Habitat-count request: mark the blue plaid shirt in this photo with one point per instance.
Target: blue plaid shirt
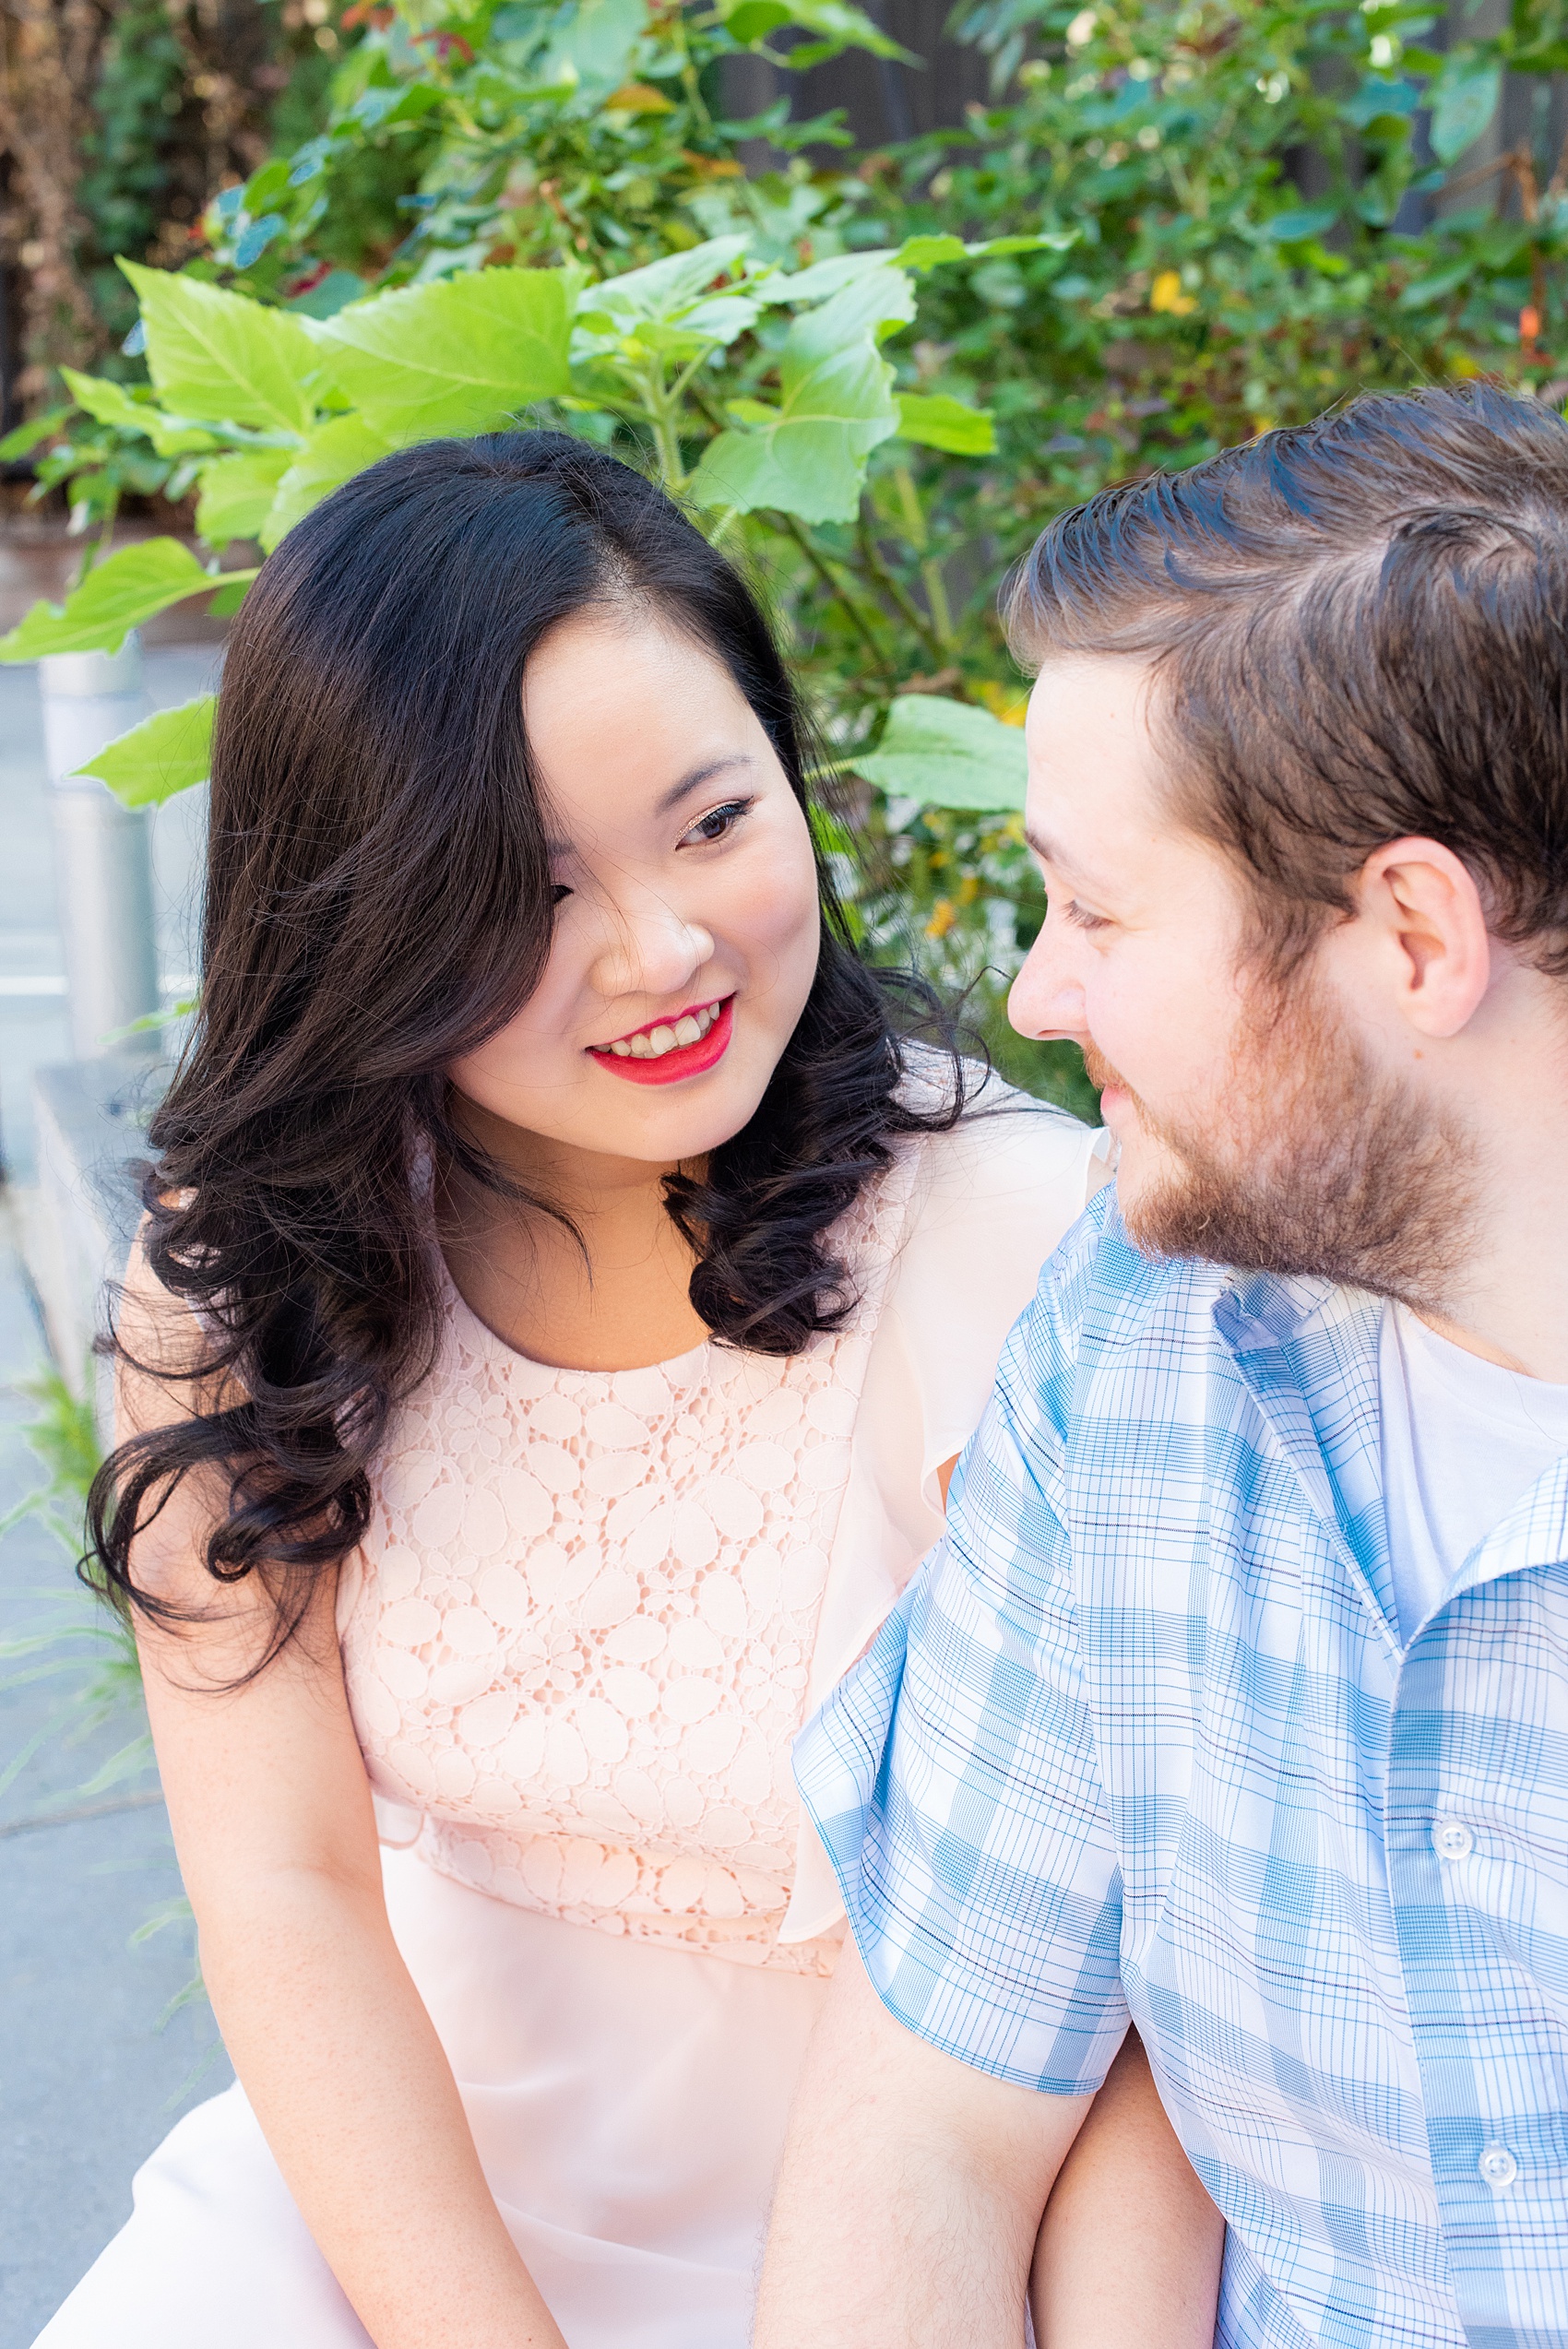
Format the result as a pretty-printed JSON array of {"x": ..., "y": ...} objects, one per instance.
[{"x": 1142, "y": 1740}]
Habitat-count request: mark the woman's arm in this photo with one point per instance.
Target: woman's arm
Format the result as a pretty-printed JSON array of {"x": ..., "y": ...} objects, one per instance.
[
  {"x": 272, "y": 1821},
  {"x": 910, "y": 2197},
  {"x": 1129, "y": 2252}
]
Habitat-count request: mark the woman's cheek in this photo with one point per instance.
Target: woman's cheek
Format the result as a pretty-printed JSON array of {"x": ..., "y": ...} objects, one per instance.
[{"x": 774, "y": 915}]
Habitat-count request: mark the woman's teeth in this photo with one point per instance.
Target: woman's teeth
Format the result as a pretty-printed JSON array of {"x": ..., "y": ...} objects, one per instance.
[{"x": 690, "y": 1028}]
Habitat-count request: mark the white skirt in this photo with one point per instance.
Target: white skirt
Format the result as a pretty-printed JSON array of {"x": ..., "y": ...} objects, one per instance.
[{"x": 628, "y": 2103}]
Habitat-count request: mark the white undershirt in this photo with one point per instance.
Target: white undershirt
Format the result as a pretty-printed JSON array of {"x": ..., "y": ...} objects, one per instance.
[{"x": 1463, "y": 1440}]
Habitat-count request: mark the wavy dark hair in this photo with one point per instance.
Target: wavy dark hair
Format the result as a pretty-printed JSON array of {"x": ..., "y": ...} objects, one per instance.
[{"x": 378, "y": 902}]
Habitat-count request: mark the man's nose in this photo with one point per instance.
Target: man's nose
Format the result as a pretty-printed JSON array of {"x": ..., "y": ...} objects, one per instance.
[{"x": 1047, "y": 998}]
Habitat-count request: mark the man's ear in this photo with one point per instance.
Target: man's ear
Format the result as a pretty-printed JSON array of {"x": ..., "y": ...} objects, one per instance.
[{"x": 1426, "y": 913}]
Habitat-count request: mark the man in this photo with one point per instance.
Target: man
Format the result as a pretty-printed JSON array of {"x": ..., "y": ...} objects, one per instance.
[{"x": 1235, "y": 1703}]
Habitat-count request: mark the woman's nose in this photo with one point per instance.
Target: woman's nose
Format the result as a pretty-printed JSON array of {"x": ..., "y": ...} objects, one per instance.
[{"x": 652, "y": 949}]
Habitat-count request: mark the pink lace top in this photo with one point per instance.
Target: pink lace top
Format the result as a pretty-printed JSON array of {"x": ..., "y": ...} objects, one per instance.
[{"x": 593, "y": 1607}]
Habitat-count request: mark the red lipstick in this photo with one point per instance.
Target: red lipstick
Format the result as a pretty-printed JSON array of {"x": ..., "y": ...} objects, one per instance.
[{"x": 684, "y": 1060}]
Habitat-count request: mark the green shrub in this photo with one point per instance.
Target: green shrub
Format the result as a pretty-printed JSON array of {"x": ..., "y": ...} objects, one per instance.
[{"x": 873, "y": 376}]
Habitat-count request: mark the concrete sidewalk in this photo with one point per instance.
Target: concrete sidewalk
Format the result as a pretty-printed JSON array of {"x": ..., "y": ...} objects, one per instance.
[{"x": 89, "y": 2082}]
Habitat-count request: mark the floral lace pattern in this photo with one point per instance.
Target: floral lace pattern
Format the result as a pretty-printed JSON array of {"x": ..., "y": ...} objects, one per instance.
[{"x": 584, "y": 1613}]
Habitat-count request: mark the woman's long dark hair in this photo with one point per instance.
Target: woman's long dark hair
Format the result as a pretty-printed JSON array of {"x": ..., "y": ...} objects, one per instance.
[{"x": 378, "y": 902}]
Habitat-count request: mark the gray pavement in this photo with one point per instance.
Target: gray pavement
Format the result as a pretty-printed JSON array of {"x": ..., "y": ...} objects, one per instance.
[{"x": 93, "y": 2069}]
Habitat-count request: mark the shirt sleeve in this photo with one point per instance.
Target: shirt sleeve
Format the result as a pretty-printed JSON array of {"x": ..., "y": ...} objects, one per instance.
[
  {"x": 991, "y": 1200},
  {"x": 954, "y": 1776}
]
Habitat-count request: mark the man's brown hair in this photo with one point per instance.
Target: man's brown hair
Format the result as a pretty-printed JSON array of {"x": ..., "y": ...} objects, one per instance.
[{"x": 1358, "y": 630}]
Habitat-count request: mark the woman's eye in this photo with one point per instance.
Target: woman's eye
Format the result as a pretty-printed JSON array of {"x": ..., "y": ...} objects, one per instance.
[
  {"x": 716, "y": 824},
  {"x": 1082, "y": 920}
]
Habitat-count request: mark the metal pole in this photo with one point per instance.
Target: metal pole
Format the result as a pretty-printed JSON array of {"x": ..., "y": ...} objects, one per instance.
[{"x": 103, "y": 852}]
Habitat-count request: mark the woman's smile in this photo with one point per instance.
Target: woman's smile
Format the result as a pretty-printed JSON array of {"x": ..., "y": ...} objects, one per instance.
[{"x": 662, "y": 1052}]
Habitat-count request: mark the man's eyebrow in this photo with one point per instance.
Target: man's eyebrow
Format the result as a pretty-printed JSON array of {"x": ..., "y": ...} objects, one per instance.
[
  {"x": 1047, "y": 849},
  {"x": 677, "y": 791},
  {"x": 1051, "y": 852}
]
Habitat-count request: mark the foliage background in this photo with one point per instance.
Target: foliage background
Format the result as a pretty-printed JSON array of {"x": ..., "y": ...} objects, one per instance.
[{"x": 1240, "y": 213}]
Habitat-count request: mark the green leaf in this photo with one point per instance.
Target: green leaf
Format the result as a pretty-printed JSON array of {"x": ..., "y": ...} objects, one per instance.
[
  {"x": 333, "y": 455},
  {"x": 594, "y": 46},
  {"x": 1301, "y": 222},
  {"x": 947, "y": 754},
  {"x": 837, "y": 406},
  {"x": 921, "y": 253},
  {"x": 112, "y": 404},
  {"x": 1380, "y": 98},
  {"x": 665, "y": 289},
  {"x": 930, "y": 252},
  {"x": 843, "y": 27},
  {"x": 26, "y": 437},
  {"x": 237, "y": 493},
  {"x": 169, "y": 752},
  {"x": 1441, "y": 283},
  {"x": 937, "y": 421},
  {"x": 754, "y": 19},
  {"x": 328, "y": 295},
  {"x": 216, "y": 354},
  {"x": 459, "y": 356},
  {"x": 1464, "y": 101},
  {"x": 115, "y": 596}
]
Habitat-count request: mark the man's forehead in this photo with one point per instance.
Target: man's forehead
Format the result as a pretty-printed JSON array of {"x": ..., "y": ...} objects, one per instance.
[{"x": 1093, "y": 800}]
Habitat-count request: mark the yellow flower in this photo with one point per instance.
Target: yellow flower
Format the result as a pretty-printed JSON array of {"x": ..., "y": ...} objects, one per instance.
[
  {"x": 943, "y": 917},
  {"x": 1009, "y": 703},
  {"x": 1166, "y": 294}
]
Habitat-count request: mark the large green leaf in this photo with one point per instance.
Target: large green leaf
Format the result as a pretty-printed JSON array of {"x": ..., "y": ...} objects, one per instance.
[
  {"x": 808, "y": 455},
  {"x": 460, "y": 356},
  {"x": 664, "y": 288},
  {"x": 237, "y": 493},
  {"x": 116, "y": 596},
  {"x": 937, "y": 421},
  {"x": 112, "y": 404},
  {"x": 213, "y": 354},
  {"x": 920, "y": 252},
  {"x": 948, "y": 754},
  {"x": 667, "y": 306},
  {"x": 169, "y": 752},
  {"x": 333, "y": 455},
  {"x": 1464, "y": 101}
]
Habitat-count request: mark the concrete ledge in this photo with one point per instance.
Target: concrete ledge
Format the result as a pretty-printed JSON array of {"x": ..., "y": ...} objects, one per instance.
[{"x": 75, "y": 1227}]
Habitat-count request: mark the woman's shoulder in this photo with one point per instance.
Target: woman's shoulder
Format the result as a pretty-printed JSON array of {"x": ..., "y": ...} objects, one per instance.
[{"x": 1006, "y": 1155}]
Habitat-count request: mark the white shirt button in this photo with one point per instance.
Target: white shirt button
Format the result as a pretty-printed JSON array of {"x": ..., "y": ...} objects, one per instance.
[
  {"x": 1451, "y": 1839},
  {"x": 1498, "y": 2167}
]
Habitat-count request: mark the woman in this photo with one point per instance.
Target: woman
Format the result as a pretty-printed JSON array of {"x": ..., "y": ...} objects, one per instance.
[{"x": 561, "y": 1299}]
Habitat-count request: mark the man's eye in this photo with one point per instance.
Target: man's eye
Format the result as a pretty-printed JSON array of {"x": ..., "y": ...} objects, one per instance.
[{"x": 716, "y": 824}]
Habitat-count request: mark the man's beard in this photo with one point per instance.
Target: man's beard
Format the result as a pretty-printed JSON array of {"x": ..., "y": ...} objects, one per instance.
[{"x": 1317, "y": 1163}]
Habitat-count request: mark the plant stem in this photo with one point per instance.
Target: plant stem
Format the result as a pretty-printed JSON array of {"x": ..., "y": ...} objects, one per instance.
[
  {"x": 839, "y": 593},
  {"x": 659, "y": 408},
  {"x": 936, "y": 596},
  {"x": 872, "y": 556},
  {"x": 910, "y": 499}
]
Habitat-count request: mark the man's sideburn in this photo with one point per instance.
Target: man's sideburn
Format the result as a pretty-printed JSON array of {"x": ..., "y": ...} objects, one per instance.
[{"x": 1311, "y": 1161}]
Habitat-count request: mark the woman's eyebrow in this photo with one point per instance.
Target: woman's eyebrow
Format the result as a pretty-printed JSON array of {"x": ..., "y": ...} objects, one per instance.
[
  {"x": 700, "y": 775},
  {"x": 677, "y": 791}
]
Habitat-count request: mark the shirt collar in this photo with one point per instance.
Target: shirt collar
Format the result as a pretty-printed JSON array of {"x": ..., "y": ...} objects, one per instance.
[{"x": 1306, "y": 1348}]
